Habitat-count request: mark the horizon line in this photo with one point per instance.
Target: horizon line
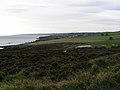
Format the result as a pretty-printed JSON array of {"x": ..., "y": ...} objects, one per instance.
[{"x": 60, "y": 33}]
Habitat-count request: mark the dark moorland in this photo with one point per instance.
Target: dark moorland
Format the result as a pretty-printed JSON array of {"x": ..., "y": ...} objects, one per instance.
[{"x": 58, "y": 67}]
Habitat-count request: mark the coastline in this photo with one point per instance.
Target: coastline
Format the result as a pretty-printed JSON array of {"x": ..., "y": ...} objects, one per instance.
[{"x": 18, "y": 40}]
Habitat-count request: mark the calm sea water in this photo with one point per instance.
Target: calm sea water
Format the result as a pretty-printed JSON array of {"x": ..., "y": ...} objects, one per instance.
[{"x": 18, "y": 39}]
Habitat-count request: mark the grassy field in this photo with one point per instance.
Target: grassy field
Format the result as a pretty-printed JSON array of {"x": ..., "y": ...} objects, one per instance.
[{"x": 89, "y": 39}]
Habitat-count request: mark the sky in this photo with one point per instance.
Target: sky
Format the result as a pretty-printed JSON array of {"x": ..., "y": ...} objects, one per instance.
[{"x": 58, "y": 16}]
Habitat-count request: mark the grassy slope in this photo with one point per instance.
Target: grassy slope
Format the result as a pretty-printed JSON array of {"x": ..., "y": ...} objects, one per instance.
[{"x": 91, "y": 39}]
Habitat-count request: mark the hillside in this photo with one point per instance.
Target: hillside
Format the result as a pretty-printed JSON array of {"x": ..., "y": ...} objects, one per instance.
[
  {"x": 50, "y": 67},
  {"x": 46, "y": 65},
  {"x": 86, "y": 38}
]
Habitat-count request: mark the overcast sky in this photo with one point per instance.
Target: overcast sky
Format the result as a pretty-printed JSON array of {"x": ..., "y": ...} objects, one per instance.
[{"x": 44, "y": 16}]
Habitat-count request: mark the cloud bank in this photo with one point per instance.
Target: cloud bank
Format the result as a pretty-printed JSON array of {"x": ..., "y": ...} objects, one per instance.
[{"x": 43, "y": 16}]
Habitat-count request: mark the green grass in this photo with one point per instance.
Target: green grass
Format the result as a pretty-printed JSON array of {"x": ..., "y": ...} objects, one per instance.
[
  {"x": 113, "y": 42},
  {"x": 91, "y": 39}
]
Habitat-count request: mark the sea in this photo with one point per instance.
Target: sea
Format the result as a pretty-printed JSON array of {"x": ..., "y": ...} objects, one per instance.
[{"x": 18, "y": 39}]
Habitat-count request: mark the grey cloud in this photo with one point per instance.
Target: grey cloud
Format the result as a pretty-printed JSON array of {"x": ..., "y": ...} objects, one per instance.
[
  {"x": 21, "y": 8},
  {"x": 17, "y": 10},
  {"x": 108, "y": 21},
  {"x": 76, "y": 15},
  {"x": 52, "y": 14},
  {"x": 89, "y": 4},
  {"x": 90, "y": 7},
  {"x": 112, "y": 7}
]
